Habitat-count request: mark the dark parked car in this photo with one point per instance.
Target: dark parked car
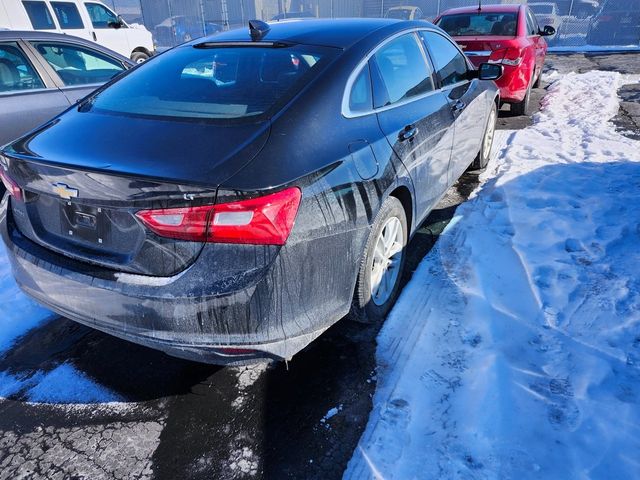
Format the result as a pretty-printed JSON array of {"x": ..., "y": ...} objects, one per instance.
[
  {"x": 617, "y": 23},
  {"x": 230, "y": 199}
]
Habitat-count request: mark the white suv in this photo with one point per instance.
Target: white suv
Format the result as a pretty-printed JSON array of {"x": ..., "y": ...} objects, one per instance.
[{"x": 87, "y": 19}]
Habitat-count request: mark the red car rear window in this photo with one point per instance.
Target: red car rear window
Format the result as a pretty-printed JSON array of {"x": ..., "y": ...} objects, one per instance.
[{"x": 479, "y": 24}]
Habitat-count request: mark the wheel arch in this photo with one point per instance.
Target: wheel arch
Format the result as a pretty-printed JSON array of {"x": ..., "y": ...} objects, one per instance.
[
  {"x": 402, "y": 193},
  {"x": 140, "y": 50}
]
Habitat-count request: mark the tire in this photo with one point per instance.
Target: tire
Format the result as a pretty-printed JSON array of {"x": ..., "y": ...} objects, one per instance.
[
  {"x": 139, "y": 57},
  {"x": 536, "y": 84},
  {"x": 484, "y": 154},
  {"x": 371, "y": 305},
  {"x": 522, "y": 108}
]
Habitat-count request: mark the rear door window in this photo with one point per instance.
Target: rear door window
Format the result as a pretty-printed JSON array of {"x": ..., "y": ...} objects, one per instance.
[
  {"x": 39, "y": 15},
  {"x": 215, "y": 83},
  {"x": 451, "y": 65},
  {"x": 68, "y": 15},
  {"x": 16, "y": 72},
  {"x": 403, "y": 70},
  {"x": 76, "y": 65}
]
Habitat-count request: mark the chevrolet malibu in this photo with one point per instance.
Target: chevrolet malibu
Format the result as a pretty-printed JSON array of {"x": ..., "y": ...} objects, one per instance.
[{"x": 232, "y": 198}]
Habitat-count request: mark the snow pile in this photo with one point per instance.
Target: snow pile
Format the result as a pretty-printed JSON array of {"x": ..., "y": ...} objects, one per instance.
[
  {"x": 514, "y": 352},
  {"x": 63, "y": 384}
]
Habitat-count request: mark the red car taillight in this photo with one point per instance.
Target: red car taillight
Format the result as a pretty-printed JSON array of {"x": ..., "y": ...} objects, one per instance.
[
  {"x": 12, "y": 187},
  {"x": 513, "y": 57},
  {"x": 507, "y": 56},
  {"x": 265, "y": 220}
]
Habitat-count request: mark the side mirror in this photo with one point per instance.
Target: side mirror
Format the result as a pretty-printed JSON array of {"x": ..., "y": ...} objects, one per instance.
[
  {"x": 547, "y": 31},
  {"x": 489, "y": 71}
]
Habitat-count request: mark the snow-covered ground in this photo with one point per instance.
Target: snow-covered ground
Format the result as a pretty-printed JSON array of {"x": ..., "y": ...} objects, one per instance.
[
  {"x": 63, "y": 384},
  {"x": 514, "y": 352}
]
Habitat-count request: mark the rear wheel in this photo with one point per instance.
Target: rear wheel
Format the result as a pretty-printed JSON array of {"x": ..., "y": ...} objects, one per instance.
[
  {"x": 522, "y": 108},
  {"x": 487, "y": 141},
  {"x": 536, "y": 84},
  {"x": 381, "y": 265},
  {"x": 139, "y": 57}
]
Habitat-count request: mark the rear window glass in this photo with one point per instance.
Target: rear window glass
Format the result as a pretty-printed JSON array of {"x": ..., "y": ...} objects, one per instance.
[
  {"x": 214, "y": 83},
  {"x": 68, "y": 15},
  {"x": 39, "y": 15},
  {"x": 474, "y": 24}
]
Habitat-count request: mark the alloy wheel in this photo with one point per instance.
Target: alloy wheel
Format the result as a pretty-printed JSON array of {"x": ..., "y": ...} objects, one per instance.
[{"x": 387, "y": 259}]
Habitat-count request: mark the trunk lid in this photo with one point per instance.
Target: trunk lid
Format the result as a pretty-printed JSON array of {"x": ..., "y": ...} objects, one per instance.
[
  {"x": 479, "y": 49},
  {"x": 83, "y": 186}
]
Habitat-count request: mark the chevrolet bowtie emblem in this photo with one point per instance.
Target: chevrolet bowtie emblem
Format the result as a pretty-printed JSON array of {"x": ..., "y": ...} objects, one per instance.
[{"x": 65, "y": 191}]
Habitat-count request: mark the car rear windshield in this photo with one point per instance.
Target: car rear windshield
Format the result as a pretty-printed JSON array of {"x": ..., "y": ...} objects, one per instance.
[
  {"x": 215, "y": 82},
  {"x": 479, "y": 24}
]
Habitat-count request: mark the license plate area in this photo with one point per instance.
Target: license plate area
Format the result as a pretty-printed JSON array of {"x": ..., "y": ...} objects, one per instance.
[{"x": 83, "y": 222}]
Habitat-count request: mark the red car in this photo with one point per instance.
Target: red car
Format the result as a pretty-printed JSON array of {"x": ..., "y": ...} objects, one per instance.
[{"x": 504, "y": 34}]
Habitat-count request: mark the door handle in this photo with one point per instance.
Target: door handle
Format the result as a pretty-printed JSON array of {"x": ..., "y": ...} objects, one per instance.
[
  {"x": 95, "y": 38},
  {"x": 458, "y": 106},
  {"x": 408, "y": 133}
]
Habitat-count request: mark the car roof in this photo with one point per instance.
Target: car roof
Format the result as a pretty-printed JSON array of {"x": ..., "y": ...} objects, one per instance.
[
  {"x": 512, "y": 7},
  {"x": 340, "y": 33},
  {"x": 7, "y": 35}
]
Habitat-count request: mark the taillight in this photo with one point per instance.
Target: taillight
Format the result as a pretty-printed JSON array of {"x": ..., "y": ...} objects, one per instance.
[
  {"x": 513, "y": 56},
  {"x": 264, "y": 220},
  {"x": 497, "y": 55},
  {"x": 12, "y": 187}
]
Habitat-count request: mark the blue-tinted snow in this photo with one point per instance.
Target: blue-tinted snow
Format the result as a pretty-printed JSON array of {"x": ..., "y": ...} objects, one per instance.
[
  {"x": 18, "y": 312},
  {"x": 63, "y": 384}
]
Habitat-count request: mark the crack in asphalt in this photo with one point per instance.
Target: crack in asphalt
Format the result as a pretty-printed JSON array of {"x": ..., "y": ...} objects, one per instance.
[{"x": 121, "y": 450}]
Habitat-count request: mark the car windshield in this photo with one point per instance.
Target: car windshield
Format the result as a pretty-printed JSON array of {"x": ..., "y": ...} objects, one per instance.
[
  {"x": 541, "y": 9},
  {"x": 478, "y": 24},
  {"x": 399, "y": 13},
  {"x": 215, "y": 82}
]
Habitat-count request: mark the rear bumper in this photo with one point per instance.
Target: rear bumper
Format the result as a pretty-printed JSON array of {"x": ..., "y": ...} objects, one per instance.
[
  {"x": 514, "y": 81},
  {"x": 191, "y": 315}
]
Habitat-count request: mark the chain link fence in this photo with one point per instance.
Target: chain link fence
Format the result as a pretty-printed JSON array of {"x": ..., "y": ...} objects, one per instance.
[{"x": 579, "y": 24}]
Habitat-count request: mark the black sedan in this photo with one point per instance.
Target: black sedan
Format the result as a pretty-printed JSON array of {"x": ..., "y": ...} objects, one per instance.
[{"x": 230, "y": 199}]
